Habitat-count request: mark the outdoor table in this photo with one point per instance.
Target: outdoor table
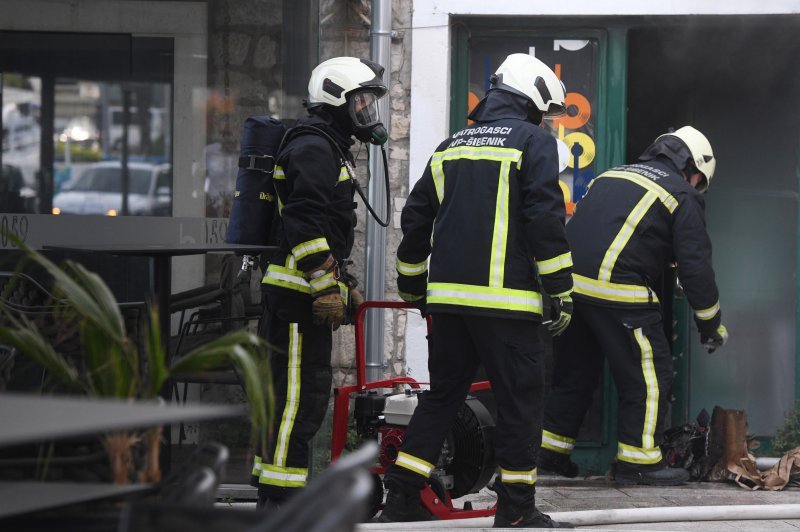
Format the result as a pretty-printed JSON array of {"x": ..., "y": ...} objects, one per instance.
[
  {"x": 34, "y": 418},
  {"x": 31, "y": 418}
]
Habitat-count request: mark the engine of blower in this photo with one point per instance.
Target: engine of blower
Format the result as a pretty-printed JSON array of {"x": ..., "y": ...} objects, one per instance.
[{"x": 466, "y": 462}]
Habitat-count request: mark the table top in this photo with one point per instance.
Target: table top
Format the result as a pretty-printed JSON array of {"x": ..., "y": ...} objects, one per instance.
[
  {"x": 28, "y": 418},
  {"x": 162, "y": 249},
  {"x": 21, "y": 497}
]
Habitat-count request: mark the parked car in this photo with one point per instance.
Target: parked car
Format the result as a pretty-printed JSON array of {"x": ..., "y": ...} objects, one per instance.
[{"x": 98, "y": 190}]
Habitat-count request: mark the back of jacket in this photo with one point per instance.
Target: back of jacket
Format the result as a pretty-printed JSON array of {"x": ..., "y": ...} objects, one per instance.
[
  {"x": 487, "y": 209},
  {"x": 633, "y": 222},
  {"x": 315, "y": 199}
]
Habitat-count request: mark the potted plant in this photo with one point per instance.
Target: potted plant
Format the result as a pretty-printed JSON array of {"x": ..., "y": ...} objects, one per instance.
[{"x": 116, "y": 366}]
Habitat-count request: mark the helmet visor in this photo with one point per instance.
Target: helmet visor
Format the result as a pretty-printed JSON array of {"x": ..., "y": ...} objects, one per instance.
[{"x": 364, "y": 109}]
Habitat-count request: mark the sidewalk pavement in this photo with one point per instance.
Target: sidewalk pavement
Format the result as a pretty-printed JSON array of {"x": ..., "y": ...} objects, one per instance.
[{"x": 557, "y": 496}]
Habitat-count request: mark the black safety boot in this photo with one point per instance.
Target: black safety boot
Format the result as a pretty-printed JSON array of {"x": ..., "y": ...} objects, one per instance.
[
  {"x": 510, "y": 516},
  {"x": 661, "y": 475},
  {"x": 402, "y": 506},
  {"x": 266, "y": 504},
  {"x": 553, "y": 462}
]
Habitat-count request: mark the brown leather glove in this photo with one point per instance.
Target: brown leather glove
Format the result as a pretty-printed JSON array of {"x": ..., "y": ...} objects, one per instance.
[
  {"x": 356, "y": 298},
  {"x": 328, "y": 309}
]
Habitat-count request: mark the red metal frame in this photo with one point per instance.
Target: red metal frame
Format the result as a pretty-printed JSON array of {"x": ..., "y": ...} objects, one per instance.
[{"x": 441, "y": 509}]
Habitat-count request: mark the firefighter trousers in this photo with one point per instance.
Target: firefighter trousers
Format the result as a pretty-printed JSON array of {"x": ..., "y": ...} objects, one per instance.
[
  {"x": 512, "y": 354},
  {"x": 639, "y": 357},
  {"x": 301, "y": 373}
]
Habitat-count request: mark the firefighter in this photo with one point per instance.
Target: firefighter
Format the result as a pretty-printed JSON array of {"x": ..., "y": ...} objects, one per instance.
[
  {"x": 306, "y": 290},
  {"x": 489, "y": 212},
  {"x": 634, "y": 221}
]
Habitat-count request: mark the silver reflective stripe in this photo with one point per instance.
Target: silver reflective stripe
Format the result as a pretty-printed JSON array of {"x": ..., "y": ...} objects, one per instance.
[{"x": 707, "y": 314}]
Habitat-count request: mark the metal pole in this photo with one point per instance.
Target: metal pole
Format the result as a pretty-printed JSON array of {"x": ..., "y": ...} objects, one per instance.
[{"x": 375, "y": 271}]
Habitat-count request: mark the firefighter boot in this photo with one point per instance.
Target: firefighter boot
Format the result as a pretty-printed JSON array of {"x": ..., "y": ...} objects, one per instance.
[
  {"x": 558, "y": 463},
  {"x": 403, "y": 506},
  {"x": 266, "y": 504},
  {"x": 657, "y": 475},
  {"x": 510, "y": 516}
]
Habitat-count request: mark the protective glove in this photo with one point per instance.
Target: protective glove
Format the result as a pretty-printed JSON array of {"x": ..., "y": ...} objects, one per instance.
[
  {"x": 560, "y": 313},
  {"x": 716, "y": 339},
  {"x": 420, "y": 302},
  {"x": 328, "y": 309},
  {"x": 356, "y": 298}
]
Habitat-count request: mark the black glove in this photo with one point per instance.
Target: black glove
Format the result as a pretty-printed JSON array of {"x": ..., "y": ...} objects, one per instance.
[
  {"x": 560, "y": 313},
  {"x": 716, "y": 339}
]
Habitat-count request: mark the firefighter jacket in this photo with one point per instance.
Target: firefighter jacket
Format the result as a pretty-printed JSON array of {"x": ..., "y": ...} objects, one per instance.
[
  {"x": 489, "y": 212},
  {"x": 633, "y": 222},
  {"x": 315, "y": 201}
]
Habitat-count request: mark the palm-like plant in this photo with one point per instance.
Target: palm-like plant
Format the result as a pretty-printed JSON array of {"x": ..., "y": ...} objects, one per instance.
[{"x": 114, "y": 361}]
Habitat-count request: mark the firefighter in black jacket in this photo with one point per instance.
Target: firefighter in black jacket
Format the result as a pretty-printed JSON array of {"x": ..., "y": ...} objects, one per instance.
[
  {"x": 634, "y": 221},
  {"x": 489, "y": 212},
  {"x": 307, "y": 293}
]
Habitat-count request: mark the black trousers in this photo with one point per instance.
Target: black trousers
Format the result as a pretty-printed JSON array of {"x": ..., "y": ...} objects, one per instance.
[
  {"x": 640, "y": 360},
  {"x": 512, "y": 354},
  {"x": 301, "y": 374}
]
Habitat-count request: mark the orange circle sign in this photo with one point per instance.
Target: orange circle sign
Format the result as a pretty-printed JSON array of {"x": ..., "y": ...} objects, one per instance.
[{"x": 578, "y": 104}]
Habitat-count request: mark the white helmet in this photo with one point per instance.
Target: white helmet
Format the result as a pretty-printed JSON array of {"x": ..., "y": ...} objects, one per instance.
[
  {"x": 357, "y": 84},
  {"x": 525, "y": 75},
  {"x": 702, "y": 154},
  {"x": 332, "y": 81}
]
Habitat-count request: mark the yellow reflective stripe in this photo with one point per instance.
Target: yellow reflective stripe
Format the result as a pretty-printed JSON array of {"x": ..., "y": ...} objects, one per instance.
[
  {"x": 292, "y": 395},
  {"x": 278, "y": 173},
  {"x": 500, "y": 236},
  {"x": 708, "y": 313},
  {"x": 555, "y": 264},
  {"x": 651, "y": 385},
  {"x": 344, "y": 175},
  {"x": 438, "y": 179},
  {"x": 286, "y": 477},
  {"x": 405, "y": 296},
  {"x": 485, "y": 297},
  {"x": 406, "y": 268},
  {"x": 479, "y": 153},
  {"x": 309, "y": 248},
  {"x": 518, "y": 477},
  {"x": 286, "y": 278},
  {"x": 509, "y": 155},
  {"x": 415, "y": 464},
  {"x": 625, "y": 233},
  {"x": 256, "y": 466},
  {"x": 557, "y": 443},
  {"x": 625, "y": 293},
  {"x": 665, "y": 197},
  {"x": 638, "y": 455},
  {"x": 322, "y": 282}
]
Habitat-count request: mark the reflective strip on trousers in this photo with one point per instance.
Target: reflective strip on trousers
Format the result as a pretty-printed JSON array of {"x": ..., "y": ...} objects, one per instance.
[
  {"x": 518, "y": 477},
  {"x": 412, "y": 463},
  {"x": 292, "y": 395},
  {"x": 651, "y": 385},
  {"x": 637, "y": 455},
  {"x": 557, "y": 443},
  {"x": 283, "y": 477}
]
